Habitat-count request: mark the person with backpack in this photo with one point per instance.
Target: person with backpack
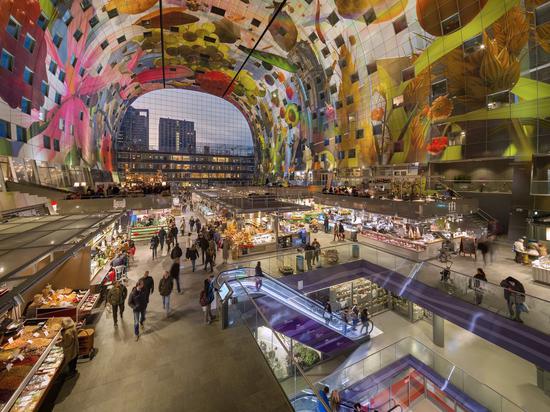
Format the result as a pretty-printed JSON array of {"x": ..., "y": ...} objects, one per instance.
[
  {"x": 175, "y": 274},
  {"x": 165, "y": 289},
  {"x": 176, "y": 253},
  {"x": 138, "y": 302},
  {"x": 206, "y": 298},
  {"x": 115, "y": 298},
  {"x": 192, "y": 254},
  {"x": 154, "y": 244},
  {"x": 162, "y": 238}
]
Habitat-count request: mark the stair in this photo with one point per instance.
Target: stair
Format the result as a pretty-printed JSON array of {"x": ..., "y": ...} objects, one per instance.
[
  {"x": 11, "y": 202},
  {"x": 47, "y": 192}
]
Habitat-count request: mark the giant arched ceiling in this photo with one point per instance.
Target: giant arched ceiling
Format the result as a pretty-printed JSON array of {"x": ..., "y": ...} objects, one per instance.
[{"x": 332, "y": 83}]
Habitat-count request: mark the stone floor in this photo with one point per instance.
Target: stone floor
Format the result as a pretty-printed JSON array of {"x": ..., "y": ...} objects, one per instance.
[{"x": 179, "y": 363}]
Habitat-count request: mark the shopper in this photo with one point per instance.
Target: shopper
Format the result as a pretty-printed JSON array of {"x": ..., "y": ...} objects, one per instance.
[
  {"x": 226, "y": 248},
  {"x": 335, "y": 232},
  {"x": 154, "y": 244},
  {"x": 258, "y": 275},
  {"x": 335, "y": 401},
  {"x": 316, "y": 251},
  {"x": 326, "y": 224},
  {"x": 198, "y": 225},
  {"x": 162, "y": 238},
  {"x": 69, "y": 344},
  {"x": 175, "y": 274},
  {"x": 188, "y": 242},
  {"x": 203, "y": 244},
  {"x": 115, "y": 298},
  {"x": 148, "y": 288},
  {"x": 327, "y": 312},
  {"x": 206, "y": 298},
  {"x": 484, "y": 249},
  {"x": 174, "y": 231},
  {"x": 176, "y": 253},
  {"x": 354, "y": 317},
  {"x": 478, "y": 287},
  {"x": 213, "y": 248},
  {"x": 191, "y": 223},
  {"x": 182, "y": 225},
  {"x": 323, "y": 394},
  {"x": 345, "y": 320},
  {"x": 165, "y": 289},
  {"x": 169, "y": 241},
  {"x": 364, "y": 317},
  {"x": 138, "y": 302},
  {"x": 357, "y": 407},
  {"x": 192, "y": 254},
  {"x": 308, "y": 251},
  {"x": 124, "y": 290},
  {"x": 341, "y": 231},
  {"x": 514, "y": 293},
  {"x": 209, "y": 259}
]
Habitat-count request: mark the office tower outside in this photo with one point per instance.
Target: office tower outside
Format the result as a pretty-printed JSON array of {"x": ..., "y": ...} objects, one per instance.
[
  {"x": 177, "y": 136},
  {"x": 133, "y": 133}
]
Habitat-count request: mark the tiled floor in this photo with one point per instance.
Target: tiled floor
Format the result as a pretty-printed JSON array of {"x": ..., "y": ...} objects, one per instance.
[{"x": 179, "y": 364}]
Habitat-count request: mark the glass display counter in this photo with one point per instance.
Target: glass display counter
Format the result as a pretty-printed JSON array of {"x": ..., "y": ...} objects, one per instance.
[{"x": 541, "y": 270}]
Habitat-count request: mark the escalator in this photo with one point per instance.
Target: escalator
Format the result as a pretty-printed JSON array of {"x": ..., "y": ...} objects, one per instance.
[
  {"x": 308, "y": 402},
  {"x": 295, "y": 315}
]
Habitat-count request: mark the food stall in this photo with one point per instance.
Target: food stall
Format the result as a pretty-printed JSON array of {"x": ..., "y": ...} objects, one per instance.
[
  {"x": 541, "y": 270},
  {"x": 145, "y": 223}
]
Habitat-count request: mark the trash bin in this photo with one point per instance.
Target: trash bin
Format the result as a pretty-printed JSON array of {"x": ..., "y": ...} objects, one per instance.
[
  {"x": 299, "y": 263},
  {"x": 355, "y": 251}
]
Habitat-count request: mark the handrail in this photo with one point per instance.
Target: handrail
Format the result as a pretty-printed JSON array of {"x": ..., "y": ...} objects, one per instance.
[{"x": 288, "y": 353}]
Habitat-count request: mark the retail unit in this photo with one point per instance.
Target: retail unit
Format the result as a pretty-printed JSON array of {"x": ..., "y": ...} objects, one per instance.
[
  {"x": 146, "y": 223},
  {"x": 541, "y": 270}
]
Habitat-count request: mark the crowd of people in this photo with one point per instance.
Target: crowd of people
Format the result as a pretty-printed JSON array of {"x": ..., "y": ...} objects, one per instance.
[{"x": 114, "y": 189}]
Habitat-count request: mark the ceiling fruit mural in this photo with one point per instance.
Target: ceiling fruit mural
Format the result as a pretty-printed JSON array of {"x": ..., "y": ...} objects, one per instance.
[{"x": 332, "y": 85}]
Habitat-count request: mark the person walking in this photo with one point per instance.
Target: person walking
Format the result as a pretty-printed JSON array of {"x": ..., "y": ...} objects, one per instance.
[
  {"x": 138, "y": 302},
  {"x": 175, "y": 274},
  {"x": 169, "y": 241},
  {"x": 198, "y": 225},
  {"x": 514, "y": 293},
  {"x": 335, "y": 232},
  {"x": 176, "y": 253},
  {"x": 213, "y": 248},
  {"x": 327, "y": 312},
  {"x": 69, "y": 344},
  {"x": 323, "y": 394},
  {"x": 484, "y": 249},
  {"x": 341, "y": 232},
  {"x": 478, "y": 288},
  {"x": 316, "y": 251},
  {"x": 116, "y": 300},
  {"x": 258, "y": 275},
  {"x": 162, "y": 238},
  {"x": 182, "y": 225},
  {"x": 192, "y": 254},
  {"x": 188, "y": 242},
  {"x": 203, "y": 244},
  {"x": 326, "y": 224},
  {"x": 148, "y": 288},
  {"x": 165, "y": 289},
  {"x": 154, "y": 244},
  {"x": 308, "y": 249},
  {"x": 174, "y": 230},
  {"x": 191, "y": 223},
  {"x": 364, "y": 317},
  {"x": 354, "y": 317},
  {"x": 226, "y": 248},
  {"x": 209, "y": 259},
  {"x": 206, "y": 298},
  {"x": 345, "y": 320}
]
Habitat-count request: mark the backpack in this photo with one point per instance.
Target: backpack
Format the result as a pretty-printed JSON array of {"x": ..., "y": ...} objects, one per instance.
[{"x": 203, "y": 299}]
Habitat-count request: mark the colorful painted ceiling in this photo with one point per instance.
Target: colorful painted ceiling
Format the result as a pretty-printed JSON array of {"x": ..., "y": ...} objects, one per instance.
[{"x": 325, "y": 84}]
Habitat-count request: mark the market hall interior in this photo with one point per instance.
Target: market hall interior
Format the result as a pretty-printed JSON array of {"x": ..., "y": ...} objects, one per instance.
[{"x": 304, "y": 205}]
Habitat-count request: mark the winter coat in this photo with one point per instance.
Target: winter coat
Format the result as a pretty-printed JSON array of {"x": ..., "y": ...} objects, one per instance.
[
  {"x": 162, "y": 235},
  {"x": 176, "y": 252},
  {"x": 148, "y": 286},
  {"x": 192, "y": 254},
  {"x": 138, "y": 299},
  {"x": 166, "y": 285},
  {"x": 69, "y": 343},
  {"x": 175, "y": 270},
  {"x": 115, "y": 296}
]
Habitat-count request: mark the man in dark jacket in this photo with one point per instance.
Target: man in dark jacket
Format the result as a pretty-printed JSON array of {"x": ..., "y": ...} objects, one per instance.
[
  {"x": 148, "y": 288},
  {"x": 203, "y": 244},
  {"x": 514, "y": 293},
  {"x": 138, "y": 302},
  {"x": 174, "y": 231},
  {"x": 162, "y": 238},
  {"x": 176, "y": 253},
  {"x": 175, "y": 274}
]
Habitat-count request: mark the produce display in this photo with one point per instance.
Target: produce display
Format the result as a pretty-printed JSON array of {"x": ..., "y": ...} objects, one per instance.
[
  {"x": 57, "y": 298},
  {"x": 36, "y": 388},
  {"x": 21, "y": 353},
  {"x": 394, "y": 241}
]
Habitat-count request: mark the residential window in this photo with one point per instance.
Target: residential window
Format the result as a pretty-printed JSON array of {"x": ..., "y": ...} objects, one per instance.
[
  {"x": 25, "y": 105},
  {"x": 99, "y": 68},
  {"x": 42, "y": 21},
  {"x": 5, "y": 129},
  {"x": 45, "y": 88},
  {"x": 341, "y": 155},
  {"x": 21, "y": 133},
  {"x": 93, "y": 21},
  {"x": 112, "y": 13},
  {"x": 104, "y": 44},
  {"x": 71, "y": 129},
  {"x": 78, "y": 34},
  {"x": 53, "y": 67},
  {"x": 81, "y": 115},
  {"x": 121, "y": 39},
  {"x": 61, "y": 76},
  {"x": 57, "y": 39},
  {"x": 85, "y": 4},
  {"x": 6, "y": 61},
  {"x": 43, "y": 114},
  {"x": 351, "y": 153},
  {"x": 542, "y": 14},
  {"x": 28, "y": 75},
  {"x": 57, "y": 98},
  {"x": 359, "y": 134},
  {"x": 67, "y": 17},
  {"x": 13, "y": 28},
  {"x": 326, "y": 142},
  {"x": 82, "y": 72},
  {"x": 338, "y": 139},
  {"x": 56, "y": 146},
  {"x": 47, "y": 142},
  {"x": 400, "y": 24},
  {"x": 61, "y": 124},
  {"x": 73, "y": 60},
  {"x": 29, "y": 43}
]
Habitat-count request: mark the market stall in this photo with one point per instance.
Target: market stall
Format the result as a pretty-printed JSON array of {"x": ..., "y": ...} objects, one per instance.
[
  {"x": 145, "y": 223},
  {"x": 66, "y": 302},
  {"x": 541, "y": 270}
]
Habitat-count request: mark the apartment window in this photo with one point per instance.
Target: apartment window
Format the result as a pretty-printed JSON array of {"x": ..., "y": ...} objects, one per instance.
[
  {"x": 29, "y": 43},
  {"x": 47, "y": 141},
  {"x": 28, "y": 75},
  {"x": 473, "y": 44},
  {"x": 369, "y": 16},
  {"x": 121, "y": 39},
  {"x": 42, "y": 21},
  {"x": 93, "y": 21},
  {"x": 338, "y": 139},
  {"x": 78, "y": 34},
  {"x": 53, "y": 67},
  {"x": 43, "y": 114},
  {"x": 450, "y": 24},
  {"x": 439, "y": 88},
  {"x": 82, "y": 72},
  {"x": 85, "y": 4},
  {"x": 407, "y": 74},
  {"x": 61, "y": 124},
  {"x": 67, "y": 17},
  {"x": 6, "y": 60},
  {"x": 326, "y": 142},
  {"x": 341, "y": 155},
  {"x": 360, "y": 133},
  {"x": 45, "y": 88},
  {"x": 112, "y": 13},
  {"x": 61, "y": 76},
  {"x": 71, "y": 129},
  {"x": 57, "y": 98},
  {"x": 25, "y": 105},
  {"x": 5, "y": 129},
  {"x": 351, "y": 153},
  {"x": 13, "y": 28},
  {"x": 104, "y": 44},
  {"x": 400, "y": 24},
  {"x": 372, "y": 68},
  {"x": 99, "y": 68},
  {"x": 56, "y": 146},
  {"x": 21, "y": 133},
  {"x": 73, "y": 60},
  {"x": 542, "y": 14},
  {"x": 57, "y": 39},
  {"x": 81, "y": 116}
]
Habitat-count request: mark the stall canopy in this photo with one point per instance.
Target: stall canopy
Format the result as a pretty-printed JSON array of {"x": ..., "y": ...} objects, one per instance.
[{"x": 25, "y": 241}]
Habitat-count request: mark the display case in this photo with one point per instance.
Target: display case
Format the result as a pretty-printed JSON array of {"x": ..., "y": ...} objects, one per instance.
[
  {"x": 21, "y": 358},
  {"x": 407, "y": 308},
  {"x": 360, "y": 292},
  {"x": 75, "y": 304},
  {"x": 541, "y": 270}
]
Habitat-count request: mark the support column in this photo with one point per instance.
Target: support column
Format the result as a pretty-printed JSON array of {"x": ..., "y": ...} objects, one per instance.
[
  {"x": 12, "y": 170},
  {"x": 438, "y": 327},
  {"x": 34, "y": 166},
  {"x": 543, "y": 380},
  {"x": 2, "y": 181}
]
